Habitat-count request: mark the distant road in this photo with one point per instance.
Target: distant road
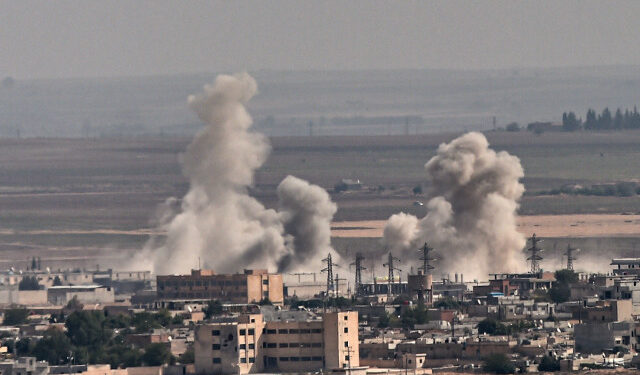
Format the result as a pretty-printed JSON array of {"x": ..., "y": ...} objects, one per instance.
[{"x": 587, "y": 225}]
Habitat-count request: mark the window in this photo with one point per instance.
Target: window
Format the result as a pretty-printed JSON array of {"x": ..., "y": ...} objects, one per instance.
[
  {"x": 346, "y": 344},
  {"x": 294, "y": 345},
  {"x": 243, "y": 360},
  {"x": 317, "y": 330},
  {"x": 271, "y": 345},
  {"x": 283, "y": 331},
  {"x": 346, "y": 317},
  {"x": 346, "y": 329},
  {"x": 242, "y": 346},
  {"x": 252, "y": 346},
  {"x": 252, "y": 359},
  {"x": 265, "y": 282},
  {"x": 294, "y": 359},
  {"x": 306, "y": 359},
  {"x": 215, "y": 332},
  {"x": 243, "y": 331},
  {"x": 284, "y": 359},
  {"x": 283, "y": 345},
  {"x": 305, "y": 345},
  {"x": 316, "y": 345},
  {"x": 217, "y": 360},
  {"x": 251, "y": 330},
  {"x": 215, "y": 347},
  {"x": 346, "y": 357},
  {"x": 293, "y": 331},
  {"x": 316, "y": 358},
  {"x": 271, "y": 332},
  {"x": 305, "y": 331}
]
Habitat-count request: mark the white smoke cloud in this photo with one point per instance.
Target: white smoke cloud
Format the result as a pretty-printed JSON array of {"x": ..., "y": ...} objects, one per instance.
[
  {"x": 306, "y": 211},
  {"x": 219, "y": 225},
  {"x": 471, "y": 214}
]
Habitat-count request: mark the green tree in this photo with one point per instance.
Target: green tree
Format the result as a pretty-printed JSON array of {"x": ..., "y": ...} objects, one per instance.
[
  {"x": 57, "y": 281},
  {"x": 417, "y": 190},
  {"x": 498, "y": 364},
  {"x": 214, "y": 307},
  {"x": 87, "y": 328},
  {"x": 74, "y": 304},
  {"x": 54, "y": 347},
  {"x": 513, "y": 127},
  {"x": 13, "y": 317},
  {"x": 188, "y": 356},
  {"x": 489, "y": 326},
  {"x": 29, "y": 283},
  {"x": 145, "y": 322},
  {"x": 156, "y": 354},
  {"x": 549, "y": 363}
]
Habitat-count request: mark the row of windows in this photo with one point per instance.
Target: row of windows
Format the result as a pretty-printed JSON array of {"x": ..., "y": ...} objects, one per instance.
[
  {"x": 282, "y": 331},
  {"x": 242, "y": 360},
  {"x": 298, "y": 359},
  {"x": 278, "y": 345},
  {"x": 292, "y": 345},
  {"x": 252, "y": 331},
  {"x": 209, "y": 294},
  {"x": 203, "y": 283}
]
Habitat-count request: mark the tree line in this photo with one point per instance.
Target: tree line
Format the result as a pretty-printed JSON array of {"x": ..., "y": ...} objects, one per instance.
[{"x": 605, "y": 120}]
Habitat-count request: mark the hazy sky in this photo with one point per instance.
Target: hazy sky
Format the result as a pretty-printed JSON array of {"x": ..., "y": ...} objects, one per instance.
[{"x": 107, "y": 38}]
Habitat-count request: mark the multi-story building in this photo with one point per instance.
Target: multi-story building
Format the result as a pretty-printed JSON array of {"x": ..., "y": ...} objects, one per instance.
[
  {"x": 252, "y": 286},
  {"x": 626, "y": 266},
  {"x": 277, "y": 341}
]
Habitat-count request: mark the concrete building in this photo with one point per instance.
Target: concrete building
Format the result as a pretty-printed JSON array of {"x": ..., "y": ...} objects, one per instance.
[
  {"x": 595, "y": 337},
  {"x": 85, "y": 294},
  {"x": 252, "y": 286},
  {"x": 13, "y": 296},
  {"x": 277, "y": 341},
  {"x": 24, "y": 366}
]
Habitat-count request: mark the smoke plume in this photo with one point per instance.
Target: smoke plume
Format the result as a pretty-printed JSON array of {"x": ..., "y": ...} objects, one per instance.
[
  {"x": 306, "y": 211},
  {"x": 471, "y": 212},
  {"x": 219, "y": 225}
]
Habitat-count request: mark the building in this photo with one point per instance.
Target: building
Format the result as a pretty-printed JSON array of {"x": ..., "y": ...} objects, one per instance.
[
  {"x": 252, "y": 286},
  {"x": 24, "y": 366},
  {"x": 626, "y": 266},
  {"x": 277, "y": 341},
  {"x": 596, "y": 337},
  {"x": 85, "y": 294}
]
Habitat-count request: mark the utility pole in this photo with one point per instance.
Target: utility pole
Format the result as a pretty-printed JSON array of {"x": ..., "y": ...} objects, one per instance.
[
  {"x": 329, "y": 270},
  {"x": 535, "y": 256},
  {"x": 570, "y": 256},
  {"x": 426, "y": 258},
  {"x": 391, "y": 268},
  {"x": 359, "y": 269}
]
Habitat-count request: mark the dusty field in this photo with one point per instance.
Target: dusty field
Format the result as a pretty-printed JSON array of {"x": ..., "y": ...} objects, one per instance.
[
  {"x": 80, "y": 200},
  {"x": 549, "y": 226}
]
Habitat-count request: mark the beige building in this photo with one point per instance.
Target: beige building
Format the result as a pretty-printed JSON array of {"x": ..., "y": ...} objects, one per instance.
[
  {"x": 252, "y": 286},
  {"x": 277, "y": 341}
]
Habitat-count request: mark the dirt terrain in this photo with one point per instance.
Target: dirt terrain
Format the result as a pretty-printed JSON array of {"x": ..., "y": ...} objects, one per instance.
[{"x": 549, "y": 226}]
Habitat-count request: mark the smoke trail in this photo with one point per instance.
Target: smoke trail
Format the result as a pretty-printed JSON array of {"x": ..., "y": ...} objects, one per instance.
[
  {"x": 306, "y": 211},
  {"x": 471, "y": 212},
  {"x": 218, "y": 224}
]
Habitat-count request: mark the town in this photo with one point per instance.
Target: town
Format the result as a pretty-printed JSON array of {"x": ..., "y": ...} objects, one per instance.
[{"x": 132, "y": 322}]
